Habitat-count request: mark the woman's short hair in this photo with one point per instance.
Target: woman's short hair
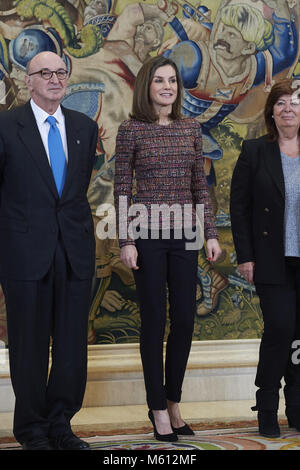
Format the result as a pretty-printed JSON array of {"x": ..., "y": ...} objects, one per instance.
[
  {"x": 284, "y": 87},
  {"x": 142, "y": 108}
]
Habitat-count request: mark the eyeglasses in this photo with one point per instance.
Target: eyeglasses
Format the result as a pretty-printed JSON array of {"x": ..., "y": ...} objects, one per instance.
[{"x": 46, "y": 74}]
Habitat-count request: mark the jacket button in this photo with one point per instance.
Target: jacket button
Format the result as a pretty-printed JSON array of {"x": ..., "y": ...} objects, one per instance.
[
  {"x": 265, "y": 234},
  {"x": 266, "y": 209}
]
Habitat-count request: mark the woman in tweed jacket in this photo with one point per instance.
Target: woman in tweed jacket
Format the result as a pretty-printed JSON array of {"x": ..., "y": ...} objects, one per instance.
[{"x": 163, "y": 151}]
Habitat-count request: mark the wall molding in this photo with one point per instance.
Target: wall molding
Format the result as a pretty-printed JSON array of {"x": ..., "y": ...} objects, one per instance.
[
  {"x": 217, "y": 370},
  {"x": 114, "y": 358}
]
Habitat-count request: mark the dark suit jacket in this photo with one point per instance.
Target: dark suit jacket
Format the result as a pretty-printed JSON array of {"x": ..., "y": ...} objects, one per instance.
[
  {"x": 257, "y": 204},
  {"x": 31, "y": 213}
]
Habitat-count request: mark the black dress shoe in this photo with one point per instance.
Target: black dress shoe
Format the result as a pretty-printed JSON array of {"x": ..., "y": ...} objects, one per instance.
[
  {"x": 161, "y": 437},
  {"x": 69, "y": 442},
  {"x": 268, "y": 423},
  {"x": 39, "y": 443},
  {"x": 293, "y": 417},
  {"x": 292, "y": 424},
  {"x": 184, "y": 430}
]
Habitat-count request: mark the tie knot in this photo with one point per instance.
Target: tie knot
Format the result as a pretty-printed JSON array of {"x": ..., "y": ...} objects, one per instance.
[{"x": 51, "y": 120}]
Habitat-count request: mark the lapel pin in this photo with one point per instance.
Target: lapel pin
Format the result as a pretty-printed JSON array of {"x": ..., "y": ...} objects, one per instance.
[{"x": 78, "y": 141}]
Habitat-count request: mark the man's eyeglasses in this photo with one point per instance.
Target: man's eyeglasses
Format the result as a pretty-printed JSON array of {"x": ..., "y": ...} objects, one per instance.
[{"x": 47, "y": 74}]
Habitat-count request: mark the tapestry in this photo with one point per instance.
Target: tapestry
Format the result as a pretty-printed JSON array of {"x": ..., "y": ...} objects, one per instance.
[{"x": 229, "y": 53}]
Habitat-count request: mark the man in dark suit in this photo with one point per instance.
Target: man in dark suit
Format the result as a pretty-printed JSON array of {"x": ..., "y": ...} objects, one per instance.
[{"x": 47, "y": 255}]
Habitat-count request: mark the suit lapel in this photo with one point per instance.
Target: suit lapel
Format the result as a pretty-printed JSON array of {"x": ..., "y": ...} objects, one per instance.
[
  {"x": 274, "y": 166},
  {"x": 73, "y": 142},
  {"x": 30, "y": 135}
]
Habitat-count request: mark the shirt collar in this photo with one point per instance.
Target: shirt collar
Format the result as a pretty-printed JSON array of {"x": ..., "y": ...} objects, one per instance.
[{"x": 41, "y": 115}]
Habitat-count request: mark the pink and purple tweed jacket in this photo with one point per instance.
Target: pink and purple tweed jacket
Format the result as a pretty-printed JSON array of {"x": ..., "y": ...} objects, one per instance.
[{"x": 166, "y": 163}]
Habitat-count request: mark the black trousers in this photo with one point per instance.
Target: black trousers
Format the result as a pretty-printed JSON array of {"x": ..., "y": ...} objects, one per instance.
[
  {"x": 162, "y": 264},
  {"x": 56, "y": 306},
  {"x": 280, "y": 305}
]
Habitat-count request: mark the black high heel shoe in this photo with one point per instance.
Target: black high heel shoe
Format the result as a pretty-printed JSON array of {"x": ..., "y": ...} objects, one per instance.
[
  {"x": 172, "y": 437},
  {"x": 184, "y": 430}
]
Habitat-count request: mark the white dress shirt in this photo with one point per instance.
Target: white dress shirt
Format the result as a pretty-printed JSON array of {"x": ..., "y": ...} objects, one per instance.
[{"x": 44, "y": 126}]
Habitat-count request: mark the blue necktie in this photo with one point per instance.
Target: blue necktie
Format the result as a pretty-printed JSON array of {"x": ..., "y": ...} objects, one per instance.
[{"x": 56, "y": 154}]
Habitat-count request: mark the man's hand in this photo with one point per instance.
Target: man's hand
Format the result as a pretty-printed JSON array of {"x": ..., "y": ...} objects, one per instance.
[
  {"x": 169, "y": 8},
  {"x": 247, "y": 271},
  {"x": 112, "y": 301},
  {"x": 128, "y": 256}
]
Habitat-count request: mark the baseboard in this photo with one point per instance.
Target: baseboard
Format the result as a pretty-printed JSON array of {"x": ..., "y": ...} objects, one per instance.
[{"x": 217, "y": 370}]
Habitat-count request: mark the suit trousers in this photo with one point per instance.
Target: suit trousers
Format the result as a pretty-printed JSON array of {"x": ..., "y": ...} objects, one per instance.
[
  {"x": 165, "y": 265},
  {"x": 280, "y": 305},
  {"x": 56, "y": 306}
]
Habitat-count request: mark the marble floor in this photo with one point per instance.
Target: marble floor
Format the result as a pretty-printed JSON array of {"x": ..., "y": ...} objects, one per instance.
[{"x": 116, "y": 418}]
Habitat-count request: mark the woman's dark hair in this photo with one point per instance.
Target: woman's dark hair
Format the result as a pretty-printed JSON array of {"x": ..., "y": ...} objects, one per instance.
[
  {"x": 284, "y": 87},
  {"x": 142, "y": 109}
]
